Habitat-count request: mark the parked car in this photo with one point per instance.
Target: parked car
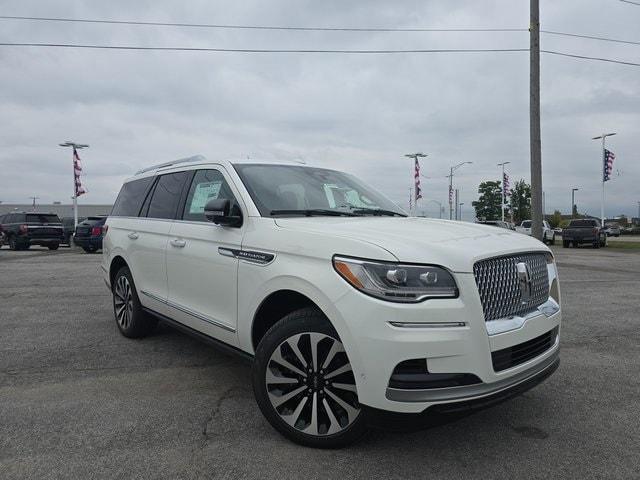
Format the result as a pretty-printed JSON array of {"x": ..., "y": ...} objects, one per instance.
[
  {"x": 497, "y": 223},
  {"x": 23, "y": 229},
  {"x": 612, "y": 229},
  {"x": 586, "y": 230},
  {"x": 548, "y": 234},
  {"x": 346, "y": 307},
  {"x": 68, "y": 223},
  {"x": 89, "y": 234},
  {"x": 2, "y": 241}
]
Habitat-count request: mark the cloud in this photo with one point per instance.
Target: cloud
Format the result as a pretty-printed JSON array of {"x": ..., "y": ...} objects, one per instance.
[{"x": 358, "y": 113}]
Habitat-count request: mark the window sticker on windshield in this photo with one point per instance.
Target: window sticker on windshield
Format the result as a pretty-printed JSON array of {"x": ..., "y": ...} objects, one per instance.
[{"x": 204, "y": 192}]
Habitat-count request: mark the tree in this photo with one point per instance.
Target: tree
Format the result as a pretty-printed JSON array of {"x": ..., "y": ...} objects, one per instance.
[
  {"x": 521, "y": 201},
  {"x": 488, "y": 204},
  {"x": 556, "y": 219}
]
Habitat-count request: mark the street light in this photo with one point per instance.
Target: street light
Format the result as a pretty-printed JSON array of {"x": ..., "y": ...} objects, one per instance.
[
  {"x": 460, "y": 207},
  {"x": 502, "y": 205},
  {"x": 414, "y": 177},
  {"x": 603, "y": 137},
  {"x": 75, "y": 146},
  {"x": 453, "y": 169},
  {"x": 573, "y": 201}
]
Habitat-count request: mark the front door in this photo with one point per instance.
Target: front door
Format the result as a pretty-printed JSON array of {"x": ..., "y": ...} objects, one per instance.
[{"x": 203, "y": 282}]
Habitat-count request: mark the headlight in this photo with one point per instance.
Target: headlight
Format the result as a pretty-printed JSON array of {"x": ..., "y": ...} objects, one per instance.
[{"x": 397, "y": 282}]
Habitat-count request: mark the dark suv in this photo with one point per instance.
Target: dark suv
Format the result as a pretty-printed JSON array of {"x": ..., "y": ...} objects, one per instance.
[
  {"x": 21, "y": 230},
  {"x": 89, "y": 234}
]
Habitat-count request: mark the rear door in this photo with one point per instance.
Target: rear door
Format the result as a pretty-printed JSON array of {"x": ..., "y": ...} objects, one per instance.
[
  {"x": 148, "y": 241},
  {"x": 202, "y": 270}
]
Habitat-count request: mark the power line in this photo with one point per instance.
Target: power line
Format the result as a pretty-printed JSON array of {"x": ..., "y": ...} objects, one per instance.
[
  {"x": 263, "y": 50},
  {"x": 260, "y": 27},
  {"x": 585, "y": 57},
  {"x": 310, "y": 51},
  {"x": 628, "y": 1},
  {"x": 591, "y": 37}
]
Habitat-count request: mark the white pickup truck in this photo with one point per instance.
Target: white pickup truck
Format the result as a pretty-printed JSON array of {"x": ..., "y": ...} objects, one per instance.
[{"x": 548, "y": 235}]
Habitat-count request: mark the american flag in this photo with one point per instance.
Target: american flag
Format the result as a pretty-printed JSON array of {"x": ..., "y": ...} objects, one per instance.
[
  {"x": 416, "y": 177},
  {"x": 77, "y": 170},
  {"x": 505, "y": 184},
  {"x": 609, "y": 157}
]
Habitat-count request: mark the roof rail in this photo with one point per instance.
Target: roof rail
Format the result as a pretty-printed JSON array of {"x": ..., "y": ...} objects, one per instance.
[{"x": 195, "y": 158}]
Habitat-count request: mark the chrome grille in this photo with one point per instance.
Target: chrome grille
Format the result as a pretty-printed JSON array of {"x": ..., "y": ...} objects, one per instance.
[{"x": 497, "y": 281}]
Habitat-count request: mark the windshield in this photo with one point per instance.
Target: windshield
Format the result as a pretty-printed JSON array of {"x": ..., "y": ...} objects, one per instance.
[
  {"x": 42, "y": 218},
  {"x": 526, "y": 224},
  {"x": 298, "y": 190}
]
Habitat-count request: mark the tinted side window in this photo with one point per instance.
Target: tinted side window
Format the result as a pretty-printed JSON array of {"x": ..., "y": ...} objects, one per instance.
[
  {"x": 206, "y": 185},
  {"x": 131, "y": 197},
  {"x": 166, "y": 195}
]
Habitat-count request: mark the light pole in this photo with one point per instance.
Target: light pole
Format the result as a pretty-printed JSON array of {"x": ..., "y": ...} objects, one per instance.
[
  {"x": 460, "y": 207},
  {"x": 573, "y": 200},
  {"x": 502, "y": 205},
  {"x": 75, "y": 146},
  {"x": 453, "y": 169},
  {"x": 415, "y": 172},
  {"x": 603, "y": 137},
  {"x": 33, "y": 206}
]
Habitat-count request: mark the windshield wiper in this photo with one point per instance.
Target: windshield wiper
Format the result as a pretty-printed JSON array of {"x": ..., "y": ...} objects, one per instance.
[
  {"x": 377, "y": 212},
  {"x": 311, "y": 212}
]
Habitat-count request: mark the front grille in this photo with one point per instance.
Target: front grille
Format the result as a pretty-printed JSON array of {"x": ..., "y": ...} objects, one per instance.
[
  {"x": 499, "y": 288},
  {"x": 523, "y": 352}
]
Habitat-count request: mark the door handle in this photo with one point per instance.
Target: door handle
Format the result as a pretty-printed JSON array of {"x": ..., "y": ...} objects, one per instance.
[
  {"x": 133, "y": 235},
  {"x": 176, "y": 242}
]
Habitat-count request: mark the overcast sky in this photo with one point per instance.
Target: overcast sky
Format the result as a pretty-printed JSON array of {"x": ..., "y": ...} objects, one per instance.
[{"x": 359, "y": 113}]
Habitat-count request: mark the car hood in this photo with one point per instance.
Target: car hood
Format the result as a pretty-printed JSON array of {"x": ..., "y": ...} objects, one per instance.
[{"x": 455, "y": 245}]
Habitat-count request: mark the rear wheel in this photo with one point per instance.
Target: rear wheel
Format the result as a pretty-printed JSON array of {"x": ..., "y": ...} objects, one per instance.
[
  {"x": 90, "y": 249},
  {"x": 303, "y": 382},
  {"x": 132, "y": 320},
  {"x": 565, "y": 243},
  {"x": 12, "y": 243},
  {"x": 53, "y": 246}
]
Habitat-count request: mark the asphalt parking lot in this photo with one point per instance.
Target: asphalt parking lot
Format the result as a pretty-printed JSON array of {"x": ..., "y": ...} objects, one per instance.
[{"x": 78, "y": 400}]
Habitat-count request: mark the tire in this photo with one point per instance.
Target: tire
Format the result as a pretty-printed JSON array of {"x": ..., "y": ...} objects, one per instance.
[
  {"x": 90, "y": 249},
  {"x": 12, "y": 243},
  {"x": 565, "y": 243},
  {"x": 343, "y": 422},
  {"x": 597, "y": 243},
  {"x": 53, "y": 246},
  {"x": 604, "y": 242},
  {"x": 132, "y": 320}
]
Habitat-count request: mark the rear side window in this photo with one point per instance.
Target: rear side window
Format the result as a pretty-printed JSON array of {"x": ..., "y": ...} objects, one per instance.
[
  {"x": 166, "y": 195},
  {"x": 42, "y": 218},
  {"x": 131, "y": 197},
  {"x": 206, "y": 185}
]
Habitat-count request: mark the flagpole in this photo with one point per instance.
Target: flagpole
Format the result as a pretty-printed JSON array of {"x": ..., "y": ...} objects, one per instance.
[
  {"x": 602, "y": 166},
  {"x": 503, "y": 188},
  {"x": 74, "y": 147},
  {"x": 415, "y": 179}
]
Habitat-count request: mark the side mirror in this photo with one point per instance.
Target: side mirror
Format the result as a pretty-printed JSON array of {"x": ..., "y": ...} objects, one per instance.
[{"x": 219, "y": 211}]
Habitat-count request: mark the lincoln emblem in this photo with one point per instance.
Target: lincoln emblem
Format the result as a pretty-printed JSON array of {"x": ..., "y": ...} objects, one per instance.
[{"x": 524, "y": 281}]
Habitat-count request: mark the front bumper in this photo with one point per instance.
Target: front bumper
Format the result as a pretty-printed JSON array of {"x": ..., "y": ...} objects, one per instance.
[{"x": 450, "y": 334}]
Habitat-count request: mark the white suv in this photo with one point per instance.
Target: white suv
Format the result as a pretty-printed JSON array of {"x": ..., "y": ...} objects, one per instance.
[{"x": 350, "y": 310}]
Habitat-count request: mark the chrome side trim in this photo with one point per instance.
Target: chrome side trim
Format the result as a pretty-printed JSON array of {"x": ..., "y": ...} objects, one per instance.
[
  {"x": 188, "y": 311},
  {"x": 259, "y": 258},
  {"x": 502, "y": 325},
  {"x": 471, "y": 391},
  {"x": 428, "y": 325}
]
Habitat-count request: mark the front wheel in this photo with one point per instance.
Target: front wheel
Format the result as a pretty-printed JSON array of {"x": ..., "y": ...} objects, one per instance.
[{"x": 303, "y": 382}]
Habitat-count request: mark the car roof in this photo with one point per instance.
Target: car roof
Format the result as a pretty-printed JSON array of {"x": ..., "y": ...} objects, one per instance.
[{"x": 202, "y": 160}]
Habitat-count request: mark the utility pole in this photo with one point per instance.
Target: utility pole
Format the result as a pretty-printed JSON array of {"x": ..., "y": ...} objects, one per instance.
[
  {"x": 502, "y": 183},
  {"x": 460, "y": 207},
  {"x": 75, "y": 146},
  {"x": 534, "y": 120},
  {"x": 33, "y": 207},
  {"x": 603, "y": 137},
  {"x": 453, "y": 169},
  {"x": 415, "y": 178},
  {"x": 457, "y": 196},
  {"x": 573, "y": 200}
]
